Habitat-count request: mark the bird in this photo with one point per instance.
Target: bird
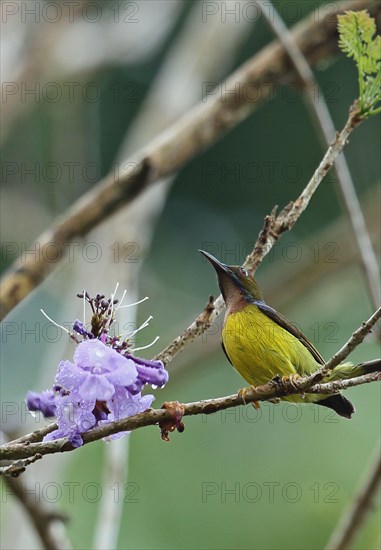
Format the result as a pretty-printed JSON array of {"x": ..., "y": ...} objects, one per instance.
[{"x": 263, "y": 345}]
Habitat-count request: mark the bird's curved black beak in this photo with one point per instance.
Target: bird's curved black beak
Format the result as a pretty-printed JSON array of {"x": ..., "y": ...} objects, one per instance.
[{"x": 218, "y": 266}]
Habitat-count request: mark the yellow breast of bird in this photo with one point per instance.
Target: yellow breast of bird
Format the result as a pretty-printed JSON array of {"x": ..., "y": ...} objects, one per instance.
[{"x": 260, "y": 349}]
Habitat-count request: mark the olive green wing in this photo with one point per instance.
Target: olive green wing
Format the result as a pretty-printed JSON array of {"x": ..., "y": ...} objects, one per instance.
[
  {"x": 283, "y": 322},
  {"x": 225, "y": 352}
]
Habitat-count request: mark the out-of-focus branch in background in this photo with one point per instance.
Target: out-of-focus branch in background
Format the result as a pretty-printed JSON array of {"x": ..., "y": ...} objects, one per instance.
[
  {"x": 48, "y": 523},
  {"x": 177, "y": 145},
  {"x": 353, "y": 518},
  {"x": 37, "y": 51},
  {"x": 322, "y": 118}
]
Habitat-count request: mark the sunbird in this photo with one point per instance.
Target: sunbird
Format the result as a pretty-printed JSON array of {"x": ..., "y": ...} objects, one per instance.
[{"x": 262, "y": 344}]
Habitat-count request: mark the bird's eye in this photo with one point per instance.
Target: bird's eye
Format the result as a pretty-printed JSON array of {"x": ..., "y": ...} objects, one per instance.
[{"x": 243, "y": 271}]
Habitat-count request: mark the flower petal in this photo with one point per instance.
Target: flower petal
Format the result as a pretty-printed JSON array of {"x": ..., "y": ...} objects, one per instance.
[
  {"x": 44, "y": 402},
  {"x": 150, "y": 371},
  {"x": 125, "y": 375},
  {"x": 94, "y": 354},
  {"x": 69, "y": 375},
  {"x": 72, "y": 435},
  {"x": 156, "y": 376},
  {"x": 80, "y": 328},
  {"x": 96, "y": 387}
]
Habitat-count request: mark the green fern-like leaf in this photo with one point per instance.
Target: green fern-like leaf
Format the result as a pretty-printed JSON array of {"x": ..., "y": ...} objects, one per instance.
[{"x": 356, "y": 31}]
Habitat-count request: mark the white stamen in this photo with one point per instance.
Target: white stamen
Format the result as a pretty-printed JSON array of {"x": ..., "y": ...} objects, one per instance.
[
  {"x": 84, "y": 308},
  {"x": 112, "y": 299},
  {"x": 135, "y": 303},
  {"x": 116, "y": 290},
  {"x": 120, "y": 301},
  {"x": 132, "y": 333},
  {"x": 147, "y": 346},
  {"x": 54, "y": 323}
]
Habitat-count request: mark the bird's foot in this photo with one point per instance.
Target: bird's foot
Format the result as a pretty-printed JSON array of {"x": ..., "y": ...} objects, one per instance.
[
  {"x": 177, "y": 412},
  {"x": 291, "y": 380},
  {"x": 246, "y": 395},
  {"x": 276, "y": 381}
]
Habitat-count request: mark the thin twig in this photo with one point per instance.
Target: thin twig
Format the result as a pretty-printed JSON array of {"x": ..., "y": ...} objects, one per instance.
[
  {"x": 338, "y": 385},
  {"x": 202, "y": 322},
  {"x": 353, "y": 518},
  {"x": 18, "y": 467},
  {"x": 317, "y": 39},
  {"x": 37, "y": 435},
  {"x": 356, "y": 339},
  {"x": 323, "y": 120}
]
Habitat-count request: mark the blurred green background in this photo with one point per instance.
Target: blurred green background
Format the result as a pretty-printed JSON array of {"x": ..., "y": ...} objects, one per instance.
[{"x": 274, "y": 479}]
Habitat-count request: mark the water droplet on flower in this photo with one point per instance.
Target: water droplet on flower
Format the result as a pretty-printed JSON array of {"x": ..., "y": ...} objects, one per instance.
[{"x": 154, "y": 387}]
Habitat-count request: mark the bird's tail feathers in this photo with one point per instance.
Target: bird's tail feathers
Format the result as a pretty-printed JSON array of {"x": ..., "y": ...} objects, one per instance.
[
  {"x": 349, "y": 370},
  {"x": 340, "y": 404}
]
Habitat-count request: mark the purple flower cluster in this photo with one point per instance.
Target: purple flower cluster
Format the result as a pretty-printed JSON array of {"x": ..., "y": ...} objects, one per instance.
[{"x": 102, "y": 384}]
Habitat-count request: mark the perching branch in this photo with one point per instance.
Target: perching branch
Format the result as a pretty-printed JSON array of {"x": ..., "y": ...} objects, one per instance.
[
  {"x": 151, "y": 417},
  {"x": 316, "y": 37},
  {"x": 16, "y": 450}
]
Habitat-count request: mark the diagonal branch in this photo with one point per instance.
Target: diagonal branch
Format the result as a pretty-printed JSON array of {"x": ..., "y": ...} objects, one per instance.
[
  {"x": 356, "y": 339},
  {"x": 339, "y": 385},
  {"x": 316, "y": 37},
  {"x": 323, "y": 120},
  {"x": 47, "y": 522},
  {"x": 353, "y": 518}
]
